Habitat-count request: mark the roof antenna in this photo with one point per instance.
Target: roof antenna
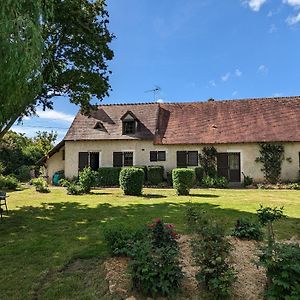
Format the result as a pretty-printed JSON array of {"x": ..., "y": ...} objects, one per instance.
[{"x": 155, "y": 91}]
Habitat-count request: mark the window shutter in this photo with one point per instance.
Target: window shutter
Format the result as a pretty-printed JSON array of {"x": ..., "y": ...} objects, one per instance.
[
  {"x": 94, "y": 160},
  {"x": 117, "y": 159},
  {"x": 153, "y": 155},
  {"x": 222, "y": 165},
  {"x": 181, "y": 159},
  {"x": 161, "y": 155},
  {"x": 83, "y": 160}
]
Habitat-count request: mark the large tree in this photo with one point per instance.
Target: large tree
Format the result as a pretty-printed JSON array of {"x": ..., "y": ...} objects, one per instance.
[{"x": 67, "y": 45}]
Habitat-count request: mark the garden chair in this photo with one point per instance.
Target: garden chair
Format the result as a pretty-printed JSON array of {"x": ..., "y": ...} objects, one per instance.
[{"x": 3, "y": 197}]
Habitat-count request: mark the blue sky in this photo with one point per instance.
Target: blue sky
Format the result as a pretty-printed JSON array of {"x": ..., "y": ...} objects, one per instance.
[{"x": 195, "y": 50}]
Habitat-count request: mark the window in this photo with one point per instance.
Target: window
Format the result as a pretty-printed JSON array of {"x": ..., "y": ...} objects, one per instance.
[
  {"x": 128, "y": 127},
  {"x": 89, "y": 159},
  {"x": 63, "y": 154},
  {"x": 187, "y": 158},
  {"x": 122, "y": 159},
  {"x": 157, "y": 155}
]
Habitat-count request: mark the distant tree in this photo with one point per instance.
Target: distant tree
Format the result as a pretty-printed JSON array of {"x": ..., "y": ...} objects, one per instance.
[
  {"x": 69, "y": 57},
  {"x": 45, "y": 140}
]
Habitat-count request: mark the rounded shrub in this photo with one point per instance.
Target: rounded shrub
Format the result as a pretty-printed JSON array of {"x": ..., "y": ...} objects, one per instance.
[
  {"x": 132, "y": 180},
  {"x": 155, "y": 174},
  {"x": 183, "y": 180},
  {"x": 87, "y": 179}
]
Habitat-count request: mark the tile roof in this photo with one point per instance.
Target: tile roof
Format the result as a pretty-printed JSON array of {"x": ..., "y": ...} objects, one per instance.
[
  {"x": 83, "y": 127},
  {"x": 229, "y": 121}
]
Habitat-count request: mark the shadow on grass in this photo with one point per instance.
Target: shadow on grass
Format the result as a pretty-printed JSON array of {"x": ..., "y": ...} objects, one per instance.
[
  {"x": 204, "y": 195},
  {"x": 153, "y": 196}
]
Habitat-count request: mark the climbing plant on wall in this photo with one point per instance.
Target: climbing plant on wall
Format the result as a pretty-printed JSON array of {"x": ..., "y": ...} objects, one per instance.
[{"x": 271, "y": 156}]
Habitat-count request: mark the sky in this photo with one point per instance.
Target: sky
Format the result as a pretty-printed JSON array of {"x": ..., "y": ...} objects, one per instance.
[{"x": 194, "y": 50}]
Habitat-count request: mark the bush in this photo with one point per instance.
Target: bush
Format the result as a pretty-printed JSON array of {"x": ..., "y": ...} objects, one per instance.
[
  {"x": 283, "y": 271},
  {"x": 9, "y": 182},
  {"x": 211, "y": 250},
  {"x": 108, "y": 176},
  {"x": 24, "y": 173},
  {"x": 87, "y": 179},
  {"x": 155, "y": 270},
  {"x": 155, "y": 174},
  {"x": 247, "y": 181},
  {"x": 214, "y": 182},
  {"x": 73, "y": 188},
  {"x": 131, "y": 181},
  {"x": 169, "y": 178},
  {"x": 293, "y": 186},
  {"x": 183, "y": 180},
  {"x": 40, "y": 184},
  {"x": 145, "y": 169},
  {"x": 246, "y": 229},
  {"x": 199, "y": 173}
]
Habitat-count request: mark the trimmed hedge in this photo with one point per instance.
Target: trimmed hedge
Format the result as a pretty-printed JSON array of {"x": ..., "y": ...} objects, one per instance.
[
  {"x": 155, "y": 174},
  {"x": 183, "y": 180},
  {"x": 132, "y": 180},
  {"x": 144, "y": 168},
  {"x": 108, "y": 176}
]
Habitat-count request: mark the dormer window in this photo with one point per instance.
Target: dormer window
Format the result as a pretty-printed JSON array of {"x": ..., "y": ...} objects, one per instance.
[
  {"x": 99, "y": 126},
  {"x": 129, "y": 123}
]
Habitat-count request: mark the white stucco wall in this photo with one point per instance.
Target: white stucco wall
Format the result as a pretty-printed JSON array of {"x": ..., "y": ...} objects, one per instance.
[
  {"x": 55, "y": 163},
  {"x": 141, "y": 150}
]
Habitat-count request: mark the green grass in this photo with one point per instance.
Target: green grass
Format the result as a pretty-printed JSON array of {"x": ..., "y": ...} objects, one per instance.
[{"x": 45, "y": 232}]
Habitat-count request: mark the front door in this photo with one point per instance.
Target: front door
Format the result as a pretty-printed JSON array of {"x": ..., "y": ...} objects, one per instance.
[{"x": 229, "y": 166}]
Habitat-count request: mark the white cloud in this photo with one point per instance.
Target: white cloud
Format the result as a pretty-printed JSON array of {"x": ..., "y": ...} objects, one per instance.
[
  {"x": 263, "y": 69},
  {"x": 226, "y": 76},
  {"x": 55, "y": 115},
  {"x": 293, "y": 20},
  {"x": 255, "y": 5},
  {"x": 277, "y": 95},
  {"x": 238, "y": 73},
  {"x": 160, "y": 101},
  {"x": 294, "y": 3}
]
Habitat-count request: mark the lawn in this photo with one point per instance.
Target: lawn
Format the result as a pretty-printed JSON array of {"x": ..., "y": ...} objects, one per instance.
[{"x": 44, "y": 233}]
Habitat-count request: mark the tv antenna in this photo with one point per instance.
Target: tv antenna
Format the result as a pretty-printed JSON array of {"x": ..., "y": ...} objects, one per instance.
[{"x": 155, "y": 91}]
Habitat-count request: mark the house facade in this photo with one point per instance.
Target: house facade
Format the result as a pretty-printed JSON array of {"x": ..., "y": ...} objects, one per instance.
[{"x": 173, "y": 134}]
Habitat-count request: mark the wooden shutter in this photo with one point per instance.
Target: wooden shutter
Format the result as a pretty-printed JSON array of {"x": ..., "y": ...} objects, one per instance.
[
  {"x": 222, "y": 165},
  {"x": 153, "y": 155},
  {"x": 83, "y": 160},
  {"x": 192, "y": 158},
  {"x": 94, "y": 160},
  {"x": 118, "y": 159},
  {"x": 181, "y": 159}
]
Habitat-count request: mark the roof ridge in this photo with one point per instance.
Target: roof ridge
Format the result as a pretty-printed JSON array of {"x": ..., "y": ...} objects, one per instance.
[{"x": 124, "y": 104}]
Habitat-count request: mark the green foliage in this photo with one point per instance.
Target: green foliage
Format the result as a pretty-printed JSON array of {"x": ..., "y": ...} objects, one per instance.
[
  {"x": 271, "y": 156},
  {"x": 9, "y": 183},
  {"x": 45, "y": 141},
  {"x": 24, "y": 173},
  {"x": 247, "y": 181},
  {"x": 131, "y": 181},
  {"x": 183, "y": 180},
  {"x": 169, "y": 178},
  {"x": 211, "y": 250},
  {"x": 108, "y": 176},
  {"x": 121, "y": 239},
  {"x": 73, "y": 188},
  {"x": 208, "y": 161},
  {"x": 40, "y": 185},
  {"x": 2, "y": 168},
  {"x": 199, "y": 173},
  {"x": 59, "y": 57},
  {"x": 196, "y": 218},
  {"x": 155, "y": 174},
  {"x": 214, "y": 182},
  {"x": 155, "y": 270},
  {"x": 282, "y": 263},
  {"x": 293, "y": 186},
  {"x": 248, "y": 230},
  {"x": 87, "y": 179}
]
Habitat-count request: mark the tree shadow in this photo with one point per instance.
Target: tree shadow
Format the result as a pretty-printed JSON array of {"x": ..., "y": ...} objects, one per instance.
[
  {"x": 153, "y": 196},
  {"x": 204, "y": 195}
]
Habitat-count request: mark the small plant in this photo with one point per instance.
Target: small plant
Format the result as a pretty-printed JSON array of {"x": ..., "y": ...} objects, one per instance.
[
  {"x": 293, "y": 186},
  {"x": 247, "y": 181},
  {"x": 155, "y": 174},
  {"x": 283, "y": 271},
  {"x": 183, "y": 180},
  {"x": 211, "y": 250},
  {"x": 196, "y": 218},
  {"x": 87, "y": 179},
  {"x": 247, "y": 229},
  {"x": 40, "y": 185},
  {"x": 73, "y": 188},
  {"x": 214, "y": 182},
  {"x": 267, "y": 216},
  {"x": 131, "y": 181},
  {"x": 199, "y": 173}
]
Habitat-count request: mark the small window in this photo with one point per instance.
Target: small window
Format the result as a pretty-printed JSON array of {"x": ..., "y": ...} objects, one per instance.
[
  {"x": 157, "y": 155},
  {"x": 122, "y": 159},
  {"x": 192, "y": 158},
  {"x": 63, "y": 154},
  {"x": 187, "y": 158},
  {"x": 99, "y": 126},
  {"x": 128, "y": 127}
]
